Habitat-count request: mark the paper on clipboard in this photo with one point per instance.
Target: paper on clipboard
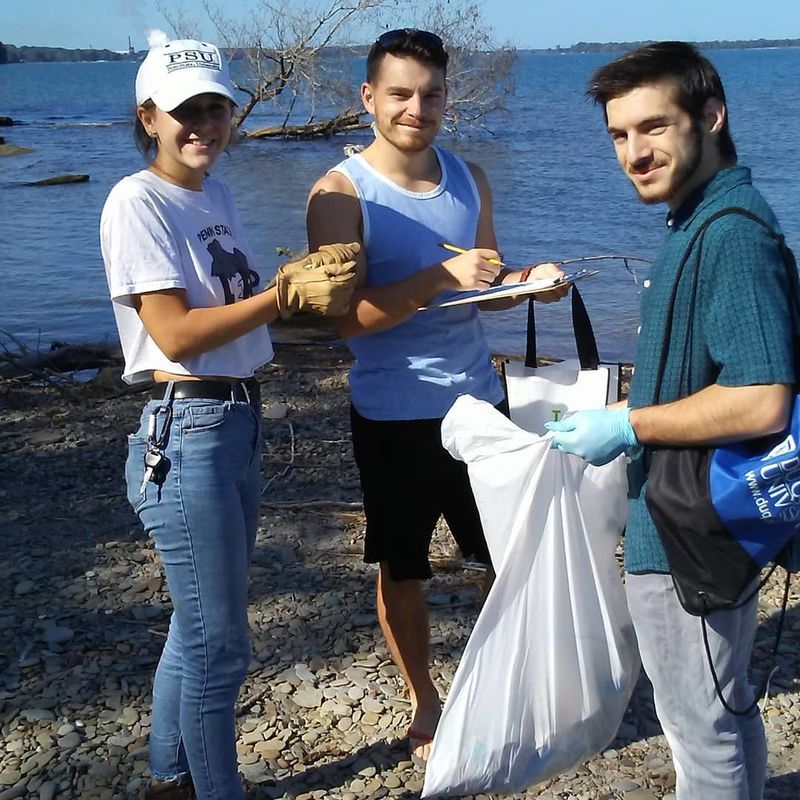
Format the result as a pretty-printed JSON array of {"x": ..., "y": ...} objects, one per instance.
[{"x": 512, "y": 289}]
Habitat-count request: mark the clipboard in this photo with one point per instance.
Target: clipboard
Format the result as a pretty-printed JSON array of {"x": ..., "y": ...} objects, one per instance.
[{"x": 513, "y": 289}]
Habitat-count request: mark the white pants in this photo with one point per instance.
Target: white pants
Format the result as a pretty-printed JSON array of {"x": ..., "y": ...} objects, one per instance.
[{"x": 717, "y": 755}]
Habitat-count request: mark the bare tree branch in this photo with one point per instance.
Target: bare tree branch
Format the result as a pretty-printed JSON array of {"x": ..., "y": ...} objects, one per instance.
[
  {"x": 297, "y": 55},
  {"x": 183, "y": 25},
  {"x": 479, "y": 71}
]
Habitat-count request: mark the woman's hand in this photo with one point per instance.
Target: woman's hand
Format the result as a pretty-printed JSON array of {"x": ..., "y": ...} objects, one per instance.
[{"x": 323, "y": 282}]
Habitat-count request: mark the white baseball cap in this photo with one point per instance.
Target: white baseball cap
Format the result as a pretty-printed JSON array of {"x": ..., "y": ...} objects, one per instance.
[{"x": 173, "y": 72}]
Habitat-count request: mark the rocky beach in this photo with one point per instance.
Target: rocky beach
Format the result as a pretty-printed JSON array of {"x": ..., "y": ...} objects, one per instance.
[{"x": 84, "y": 611}]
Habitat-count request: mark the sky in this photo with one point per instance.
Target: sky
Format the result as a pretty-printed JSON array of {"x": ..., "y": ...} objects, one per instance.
[{"x": 523, "y": 23}]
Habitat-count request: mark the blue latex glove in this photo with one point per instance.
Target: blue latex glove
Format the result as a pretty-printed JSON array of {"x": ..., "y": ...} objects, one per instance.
[{"x": 597, "y": 436}]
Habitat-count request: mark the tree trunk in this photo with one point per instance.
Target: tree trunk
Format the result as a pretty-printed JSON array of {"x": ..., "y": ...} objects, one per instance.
[{"x": 245, "y": 110}]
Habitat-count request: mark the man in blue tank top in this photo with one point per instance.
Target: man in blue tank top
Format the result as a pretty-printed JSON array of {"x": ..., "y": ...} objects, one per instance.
[
  {"x": 401, "y": 198},
  {"x": 730, "y": 380}
]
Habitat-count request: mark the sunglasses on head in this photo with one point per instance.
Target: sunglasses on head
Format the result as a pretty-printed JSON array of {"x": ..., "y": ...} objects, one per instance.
[{"x": 425, "y": 38}]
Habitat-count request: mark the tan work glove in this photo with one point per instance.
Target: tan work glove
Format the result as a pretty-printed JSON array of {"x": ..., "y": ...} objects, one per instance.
[{"x": 322, "y": 282}]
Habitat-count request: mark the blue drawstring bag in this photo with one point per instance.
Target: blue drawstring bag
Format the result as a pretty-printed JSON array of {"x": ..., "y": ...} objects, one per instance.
[
  {"x": 755, "y": 488},
  {"x": 723, "y": 513}
]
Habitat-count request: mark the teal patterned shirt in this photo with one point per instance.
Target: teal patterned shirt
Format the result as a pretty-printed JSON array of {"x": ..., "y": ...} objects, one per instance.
[{"x": 742, "y": 328}]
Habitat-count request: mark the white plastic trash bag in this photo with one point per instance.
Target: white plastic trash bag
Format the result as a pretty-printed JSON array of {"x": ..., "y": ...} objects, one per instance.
[{"x": 550, "y": 666}]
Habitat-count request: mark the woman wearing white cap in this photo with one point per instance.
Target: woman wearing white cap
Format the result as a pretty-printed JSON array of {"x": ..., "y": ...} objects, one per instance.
[{"x": 181, "y": 280}]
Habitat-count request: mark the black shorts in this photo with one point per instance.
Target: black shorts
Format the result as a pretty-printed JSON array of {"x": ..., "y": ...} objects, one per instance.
[{"x": 408, "y": 481}]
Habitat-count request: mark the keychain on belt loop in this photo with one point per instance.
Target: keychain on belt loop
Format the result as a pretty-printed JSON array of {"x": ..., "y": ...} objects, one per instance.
[{"x": 156, "y": 464}]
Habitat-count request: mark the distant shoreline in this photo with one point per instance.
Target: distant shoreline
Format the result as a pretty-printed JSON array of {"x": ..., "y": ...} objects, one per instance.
[
  {"x": 11, "y": 54},
  {"x": 717, "y": 44}
]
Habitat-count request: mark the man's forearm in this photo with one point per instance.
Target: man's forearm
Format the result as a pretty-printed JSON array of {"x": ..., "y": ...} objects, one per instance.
[
  {"x": 379, "y": 308},
  {"x": 715, "y": 415}
]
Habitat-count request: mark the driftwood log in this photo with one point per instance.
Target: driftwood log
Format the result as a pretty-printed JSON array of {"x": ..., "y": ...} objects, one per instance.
[
  {"x": 57, "y": 180},
  {"x": 60, "y": 358},
  {"x": 13, "y": 150},
  {"x": 340, "y": 124}
]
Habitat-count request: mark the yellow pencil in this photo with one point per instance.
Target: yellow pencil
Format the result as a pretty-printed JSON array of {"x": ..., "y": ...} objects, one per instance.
[{"x": 455, "y": 249}]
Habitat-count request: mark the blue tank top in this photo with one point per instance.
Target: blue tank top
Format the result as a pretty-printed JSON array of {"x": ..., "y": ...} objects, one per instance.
[{"x": 418, "y": 368}]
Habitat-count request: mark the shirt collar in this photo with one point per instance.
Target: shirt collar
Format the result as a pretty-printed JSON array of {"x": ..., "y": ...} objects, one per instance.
[{"x": 706, "y": 194}]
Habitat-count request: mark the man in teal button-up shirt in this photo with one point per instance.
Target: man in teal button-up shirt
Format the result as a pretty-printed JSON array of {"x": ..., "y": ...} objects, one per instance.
[{"x": 667, "y": 118}]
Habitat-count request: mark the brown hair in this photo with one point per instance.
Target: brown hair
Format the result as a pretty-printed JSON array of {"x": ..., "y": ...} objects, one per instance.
[
  {"x": 693, "y": 75},
  {"x": 145, "y": 143},
  {"x": 421, "y": 45}
]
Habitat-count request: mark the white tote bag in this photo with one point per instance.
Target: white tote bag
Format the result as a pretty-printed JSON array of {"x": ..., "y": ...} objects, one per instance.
[
  {"x": 548, "y": 670},
  {"x": 538, "y": 394}
]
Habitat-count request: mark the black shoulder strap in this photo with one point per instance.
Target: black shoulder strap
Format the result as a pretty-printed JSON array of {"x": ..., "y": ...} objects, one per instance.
[
  {"x": 582, "y": 327},
  {"x": 699, "y": 234}
]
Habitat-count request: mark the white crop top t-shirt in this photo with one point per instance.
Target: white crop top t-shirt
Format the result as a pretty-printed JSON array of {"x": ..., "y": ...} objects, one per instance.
[{"x": 156, "y": 236}]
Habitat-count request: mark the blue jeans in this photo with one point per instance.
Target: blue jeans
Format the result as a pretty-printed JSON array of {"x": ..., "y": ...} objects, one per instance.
[
  {"x": 717, "y": 756},
  {"x": 203, "y": 520}
]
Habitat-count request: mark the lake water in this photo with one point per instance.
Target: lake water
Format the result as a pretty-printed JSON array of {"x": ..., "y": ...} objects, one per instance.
[{"x": 558, "y": 191}]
